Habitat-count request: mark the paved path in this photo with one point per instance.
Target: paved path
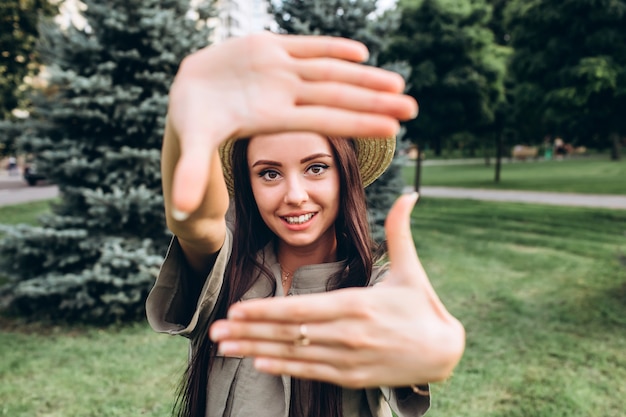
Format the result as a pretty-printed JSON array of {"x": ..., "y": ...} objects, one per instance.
[
  {"x": 538, "y": 197},
  {"x": 14, "y": 190}
]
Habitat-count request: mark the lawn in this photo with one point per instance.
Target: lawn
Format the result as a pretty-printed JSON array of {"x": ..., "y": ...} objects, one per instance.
[
  {"x": 582, "y": 175},
  {"x": 119, "y": 371},
  {"x": 24, "y": 213},
  {"x": 541, "y": 291}
]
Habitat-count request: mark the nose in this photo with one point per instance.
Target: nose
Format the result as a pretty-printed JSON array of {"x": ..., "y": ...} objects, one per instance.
[{"x": 296, "y": 193}]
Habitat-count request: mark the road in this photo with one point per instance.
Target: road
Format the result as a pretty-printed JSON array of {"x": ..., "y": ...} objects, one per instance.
[
  {"x": 535, "y": 197},
  {"x": 14, "y": 190}
]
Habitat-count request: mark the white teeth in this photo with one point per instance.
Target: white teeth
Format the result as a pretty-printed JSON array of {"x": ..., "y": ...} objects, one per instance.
[{"x": 299, "y": 219}]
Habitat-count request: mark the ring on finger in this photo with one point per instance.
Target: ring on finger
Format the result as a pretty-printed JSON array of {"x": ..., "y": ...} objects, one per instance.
[{"x": 303, "y": 336}]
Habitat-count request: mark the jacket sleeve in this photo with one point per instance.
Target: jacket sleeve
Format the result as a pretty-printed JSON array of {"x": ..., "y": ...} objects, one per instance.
[
  {"x": 405, "y": 403},
  {"x": 180, "y": 307}
]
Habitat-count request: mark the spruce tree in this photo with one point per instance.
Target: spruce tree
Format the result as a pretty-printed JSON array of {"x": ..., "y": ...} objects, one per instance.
[
  {"x": 358, "y": 20},
  {"x": 96, "y": 131}
]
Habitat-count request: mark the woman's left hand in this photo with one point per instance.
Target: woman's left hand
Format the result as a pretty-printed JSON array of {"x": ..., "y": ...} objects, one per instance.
[{"x": 396, "y": 333}]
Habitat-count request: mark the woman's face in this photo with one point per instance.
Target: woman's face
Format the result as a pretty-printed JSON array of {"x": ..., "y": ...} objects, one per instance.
[{"x": 295, "y": 182}]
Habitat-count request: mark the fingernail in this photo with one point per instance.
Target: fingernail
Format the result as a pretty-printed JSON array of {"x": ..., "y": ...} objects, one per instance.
[
  {"x": 228, "y": 348},
  {"x": 179, "y": 215},
  {"x": 366, "y": 53},
  {"x": 218, "y": 333},
  {"x": 263, "y": 364},
  {"x": 413, "y": 195}
]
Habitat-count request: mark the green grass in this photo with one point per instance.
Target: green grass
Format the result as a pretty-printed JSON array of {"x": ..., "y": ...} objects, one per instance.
[
  {"x": 540, "y": 289},
  {"x": 583, "y": 175},
  {"x": 24, "y": 213},
  {"x": 542, "y": 293},
  {"x": 77, "y": 372}
]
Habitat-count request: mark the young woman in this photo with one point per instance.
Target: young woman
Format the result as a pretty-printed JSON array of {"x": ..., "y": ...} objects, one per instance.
[{"x": 299, "y": 228}]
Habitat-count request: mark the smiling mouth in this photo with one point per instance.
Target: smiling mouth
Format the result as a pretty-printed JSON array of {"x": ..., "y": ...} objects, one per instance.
[{"x": 299, "y": 219}]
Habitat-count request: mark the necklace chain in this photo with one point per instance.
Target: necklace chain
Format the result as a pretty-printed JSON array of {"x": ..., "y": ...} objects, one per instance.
[{"x": 284, "y": 275}]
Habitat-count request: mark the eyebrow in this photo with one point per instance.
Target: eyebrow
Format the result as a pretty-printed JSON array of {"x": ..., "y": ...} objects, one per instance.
[{"x": 302, "y": 161}]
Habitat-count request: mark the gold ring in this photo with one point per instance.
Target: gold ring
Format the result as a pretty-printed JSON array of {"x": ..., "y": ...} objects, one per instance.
[{"x": 303, "y": 337}]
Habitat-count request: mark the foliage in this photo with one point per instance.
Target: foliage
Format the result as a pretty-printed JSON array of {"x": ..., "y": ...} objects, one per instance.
[
  {"x": 18, "y": 56},
  {"x": 457, "y": 68},
  {"x": 96, "y": 131},
  {"x": 497, "y": 23},
  {"x": 359, "y": 20},
  {"x": 570, "y": 68}
]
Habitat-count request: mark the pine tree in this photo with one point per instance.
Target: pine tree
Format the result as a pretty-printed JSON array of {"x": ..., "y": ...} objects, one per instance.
[
  {"x": 358, "y": 20},
  {"x": 96, "y": 131}
]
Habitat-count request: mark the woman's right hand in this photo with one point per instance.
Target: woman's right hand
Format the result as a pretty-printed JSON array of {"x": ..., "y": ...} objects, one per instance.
[{"x": 271, "y": 83}]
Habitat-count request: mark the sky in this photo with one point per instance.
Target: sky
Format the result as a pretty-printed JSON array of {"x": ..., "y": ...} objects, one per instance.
[{"x": 386, "y": 4}]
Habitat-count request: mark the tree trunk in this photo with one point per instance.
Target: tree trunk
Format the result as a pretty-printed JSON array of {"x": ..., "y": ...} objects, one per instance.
[
  {"x": 616, "y": 147},
  {"x": 438, "y": 147},
  {"x": 498, "y": 137},
  {"x": 418, "y": 169},
  {"x": 486, "y": 153}
]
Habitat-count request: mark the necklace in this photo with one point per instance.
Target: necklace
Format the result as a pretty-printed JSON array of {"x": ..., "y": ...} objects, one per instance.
[{"x": 284, "y": 275}]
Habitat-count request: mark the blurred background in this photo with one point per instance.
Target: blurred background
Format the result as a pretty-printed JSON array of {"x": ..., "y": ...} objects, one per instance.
[{"x": 516, "y": 152}]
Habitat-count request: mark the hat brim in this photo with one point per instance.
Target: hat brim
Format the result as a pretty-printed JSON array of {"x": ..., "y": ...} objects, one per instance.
[{"x": 374, "y": 155}]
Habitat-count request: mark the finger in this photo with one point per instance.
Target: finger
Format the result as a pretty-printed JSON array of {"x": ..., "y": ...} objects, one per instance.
[
  {"x": 319, "y": 371},
  {"x": 303, "y": 308},
  {"x": 233, "y": 329},
  {"x": 359, "y": 99},
  {"x": 323, "y": 69},
  {"x": 339, "y": 122},
  {"x": 405, "y": 265},
  {"x": 324, "y": 46},
  {"x": 284, "y": 350},
  {"x": 253, "y": 338}
]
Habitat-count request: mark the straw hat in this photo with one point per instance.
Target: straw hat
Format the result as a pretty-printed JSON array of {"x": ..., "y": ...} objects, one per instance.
[{"x": 374, "y": 156}]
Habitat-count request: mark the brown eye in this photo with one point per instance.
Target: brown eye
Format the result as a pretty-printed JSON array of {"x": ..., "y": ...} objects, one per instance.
[
  {"x": 318, "y": 169},
  {"x": 269, "y": 175}
]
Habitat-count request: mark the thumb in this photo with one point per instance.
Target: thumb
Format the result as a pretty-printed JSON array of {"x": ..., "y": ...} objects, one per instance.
[
  {"x": 406, "y": 268},
  {"x": 191, "y": 176},
  {"x": 401, "y": 249}
]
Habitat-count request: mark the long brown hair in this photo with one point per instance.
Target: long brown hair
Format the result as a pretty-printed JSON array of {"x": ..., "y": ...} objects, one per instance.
[{"x": 250, "y": 236}]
